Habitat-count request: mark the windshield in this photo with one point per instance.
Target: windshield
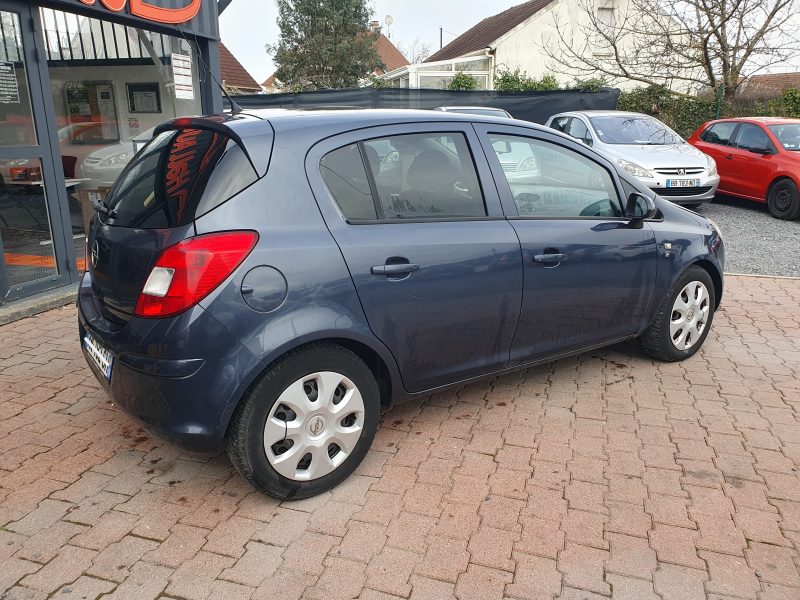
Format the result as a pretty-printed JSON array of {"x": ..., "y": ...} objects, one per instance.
[
  {"x": 788, "y": 135},
  {"x": 633, "y": 130}
]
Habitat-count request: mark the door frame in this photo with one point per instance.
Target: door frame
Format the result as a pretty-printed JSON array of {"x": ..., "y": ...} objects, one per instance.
[{"x": 47, "y": 151}]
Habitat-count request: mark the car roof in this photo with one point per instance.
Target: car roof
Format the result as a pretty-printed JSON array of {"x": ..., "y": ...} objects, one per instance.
[
  {"x": 762, "y": 120},
  {"x": 454, "y": 107},
  {"x": 600, "y": 113},
  {"x": 345, "y": 120}
]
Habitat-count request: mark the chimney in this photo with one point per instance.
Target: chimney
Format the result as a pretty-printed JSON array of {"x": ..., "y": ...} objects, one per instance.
[{"x": 375, "y": 26}]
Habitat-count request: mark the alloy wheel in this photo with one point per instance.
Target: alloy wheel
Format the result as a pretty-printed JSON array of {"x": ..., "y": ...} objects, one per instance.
[
  {"x": 690, "y": 313},
  {"x": 314, "y": 426}
]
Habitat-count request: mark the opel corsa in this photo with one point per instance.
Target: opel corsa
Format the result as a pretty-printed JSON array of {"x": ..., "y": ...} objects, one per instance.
[{"x": 265, "y": 283}]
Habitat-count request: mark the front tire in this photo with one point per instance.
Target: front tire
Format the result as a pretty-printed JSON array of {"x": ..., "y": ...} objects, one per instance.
[
  {"x": 783, "y": 200},
  {"x": 684, "y": 318},
  {"x": 307, "y": 422}
]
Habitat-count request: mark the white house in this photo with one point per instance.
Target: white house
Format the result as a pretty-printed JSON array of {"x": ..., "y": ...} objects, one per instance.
[{"x": 516, "y": 39}]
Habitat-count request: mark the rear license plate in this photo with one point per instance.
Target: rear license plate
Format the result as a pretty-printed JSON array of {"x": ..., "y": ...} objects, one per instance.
[
  {"x": 682, "y": 183},
  {"x": 102, "y": 358}
]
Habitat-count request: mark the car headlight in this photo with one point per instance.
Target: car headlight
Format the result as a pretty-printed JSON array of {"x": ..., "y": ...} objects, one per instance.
[
  {"x": 712, "y": 166},
  {"x": 529, "y": 164},
  {"x": 117, "y": 159},
  {"x": 634, "y": 169}
]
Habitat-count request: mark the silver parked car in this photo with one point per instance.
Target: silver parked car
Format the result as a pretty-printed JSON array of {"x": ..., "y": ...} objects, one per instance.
[{"x": 648, "y": 150}]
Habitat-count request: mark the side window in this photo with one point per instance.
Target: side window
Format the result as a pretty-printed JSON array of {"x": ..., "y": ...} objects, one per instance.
[
  {"x": 344, "y": 173},
  {"x": 719, "y": 133},
  {"x": 578, "y": 130},
  {"x": 752, "y": 137},
  {"x": 420, "y": 176},
  {"x": 560, "y": 124},
  {"x": 548, "y": 180}
]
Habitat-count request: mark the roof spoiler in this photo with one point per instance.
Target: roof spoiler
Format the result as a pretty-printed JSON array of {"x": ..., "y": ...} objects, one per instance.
[{"x": 219, "y": 124}]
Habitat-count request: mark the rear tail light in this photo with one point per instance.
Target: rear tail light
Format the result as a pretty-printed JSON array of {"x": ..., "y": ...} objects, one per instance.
[{"x": 189, "y": 271}]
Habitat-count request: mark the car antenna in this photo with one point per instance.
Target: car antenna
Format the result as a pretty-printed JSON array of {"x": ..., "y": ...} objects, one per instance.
[{"x": 235, "y": 107}]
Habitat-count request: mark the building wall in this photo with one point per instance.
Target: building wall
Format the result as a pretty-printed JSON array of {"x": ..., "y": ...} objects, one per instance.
[{"x": 524, "y": 47}]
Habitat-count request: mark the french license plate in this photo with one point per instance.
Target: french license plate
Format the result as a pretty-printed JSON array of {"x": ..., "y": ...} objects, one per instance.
[
  {"x": 682, "y": 183},
  {"x": 101, "y": 357}
]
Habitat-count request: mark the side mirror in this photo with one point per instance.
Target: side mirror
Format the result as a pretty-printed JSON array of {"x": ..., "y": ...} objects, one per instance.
[
  {"x": 588, "y": 141},
  {"x": 639, "y": 207},
  {"x": 502, "y": 147}
]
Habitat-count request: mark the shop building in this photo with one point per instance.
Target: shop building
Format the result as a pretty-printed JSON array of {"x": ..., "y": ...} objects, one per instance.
[{"x": 82, "y": 83}]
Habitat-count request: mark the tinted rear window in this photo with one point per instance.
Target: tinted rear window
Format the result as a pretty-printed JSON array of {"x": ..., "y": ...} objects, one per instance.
[{"x": 179, "y": 176}]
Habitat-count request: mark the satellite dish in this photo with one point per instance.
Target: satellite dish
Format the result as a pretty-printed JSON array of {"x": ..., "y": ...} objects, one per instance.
[{"x": 389, "y": 20}]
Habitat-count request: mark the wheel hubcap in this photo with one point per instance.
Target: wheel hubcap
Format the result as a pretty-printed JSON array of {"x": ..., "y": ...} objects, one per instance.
[
  {"x": 314, "y": 426},
  {"x": 690, "y": 314},
  {"x": 782, "y": 200}
]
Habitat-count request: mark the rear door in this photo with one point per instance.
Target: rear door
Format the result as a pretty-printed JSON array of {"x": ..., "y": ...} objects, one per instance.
[
  {"x": 436, "y": 265},
  {"x": 588, "y": 273}
]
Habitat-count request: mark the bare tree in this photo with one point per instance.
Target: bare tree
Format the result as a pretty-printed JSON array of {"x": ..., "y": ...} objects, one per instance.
[
  {"x": 416, "y": 51},
  {"x": 685, "y": 45}
]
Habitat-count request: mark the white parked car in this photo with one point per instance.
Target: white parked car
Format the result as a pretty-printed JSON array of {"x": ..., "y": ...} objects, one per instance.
[{"x": 648, "y": 150}]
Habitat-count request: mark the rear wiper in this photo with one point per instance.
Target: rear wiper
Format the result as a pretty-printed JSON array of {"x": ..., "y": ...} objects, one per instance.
[{"x": 103, "y": 208}]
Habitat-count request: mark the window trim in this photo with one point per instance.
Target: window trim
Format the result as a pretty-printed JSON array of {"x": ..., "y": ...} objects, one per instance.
[
  {"x": 382, "y": 220},
  {"x": 740, "y": 127},
  {"x": 504, "y": 187}
]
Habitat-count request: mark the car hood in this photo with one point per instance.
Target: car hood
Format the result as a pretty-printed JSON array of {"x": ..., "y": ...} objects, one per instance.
[
  {"x": 657, "y": 157},
  {"x": 113, "y": 150}
]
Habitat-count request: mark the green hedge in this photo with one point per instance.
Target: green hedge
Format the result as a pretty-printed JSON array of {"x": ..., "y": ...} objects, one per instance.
[{"x": 685, "y": 115}]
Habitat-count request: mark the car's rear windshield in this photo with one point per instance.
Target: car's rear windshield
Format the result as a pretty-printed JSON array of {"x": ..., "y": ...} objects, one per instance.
[
  {"x": 788, "y": 135},
  {"x": 633, "y": 130},
  {"x": 177, "y": 177}
]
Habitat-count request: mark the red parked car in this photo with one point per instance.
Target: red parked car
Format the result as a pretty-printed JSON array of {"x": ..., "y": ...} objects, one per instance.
[{"x": 757, "y": 158}]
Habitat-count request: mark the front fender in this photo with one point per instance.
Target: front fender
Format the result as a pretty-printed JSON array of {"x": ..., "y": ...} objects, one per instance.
[{"x": 684, "y": 239}]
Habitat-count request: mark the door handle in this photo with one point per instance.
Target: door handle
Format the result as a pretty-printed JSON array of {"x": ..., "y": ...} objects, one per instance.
[
  {"x": 728, "y": 157},
  {"x": 549, "y": 258},
  {"x": 394, "y": 270}
]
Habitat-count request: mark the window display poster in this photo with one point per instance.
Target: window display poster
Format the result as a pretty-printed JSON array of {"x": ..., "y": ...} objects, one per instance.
[
  {"x": 182, "y": 76},
  {"x": 78, "y": 105},
  {"x": 107, "y": 110},
  {"x": 9, "y": 86},
  {"x": 144, "y": 98}
]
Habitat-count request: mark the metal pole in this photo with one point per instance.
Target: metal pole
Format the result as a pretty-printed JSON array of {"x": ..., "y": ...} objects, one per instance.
[
  {"x": 441, "y": 38},
  {"x": 720, "y": 94}
]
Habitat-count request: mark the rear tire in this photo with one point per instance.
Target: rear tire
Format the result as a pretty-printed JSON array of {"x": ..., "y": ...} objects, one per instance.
[
  {"x": 290, "y": 437},
  {"x": 783, "y": 200},
  {"x": 683, "y": 319}
]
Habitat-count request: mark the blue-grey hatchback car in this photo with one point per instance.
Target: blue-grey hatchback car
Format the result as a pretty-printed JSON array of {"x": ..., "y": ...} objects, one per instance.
[{"x": 265, "y": 282}]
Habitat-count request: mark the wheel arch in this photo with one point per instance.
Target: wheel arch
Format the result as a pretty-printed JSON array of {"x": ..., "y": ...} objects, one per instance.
[
  {"x": 716, "y": 278},
  {"x": 385, "y": 377},
  {"x": 777, "y": 179}
]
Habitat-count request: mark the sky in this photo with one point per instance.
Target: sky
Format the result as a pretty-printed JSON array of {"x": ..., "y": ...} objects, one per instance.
[{"x": 248, "y": 25}]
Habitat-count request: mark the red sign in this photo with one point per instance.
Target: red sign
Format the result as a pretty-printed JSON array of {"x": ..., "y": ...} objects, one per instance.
[{"x": 148, "y": 11}]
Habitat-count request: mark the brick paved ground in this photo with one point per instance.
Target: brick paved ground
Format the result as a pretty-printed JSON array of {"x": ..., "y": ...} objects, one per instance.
[{"x": 602, "y": 475}]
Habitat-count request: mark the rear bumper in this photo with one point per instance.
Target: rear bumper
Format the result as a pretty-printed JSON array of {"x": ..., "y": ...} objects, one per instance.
[{"x": 181, "y": 378}]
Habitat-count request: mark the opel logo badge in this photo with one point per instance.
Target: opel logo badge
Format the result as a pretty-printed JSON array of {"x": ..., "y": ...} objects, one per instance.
[
  {"x": 95, "y": 253},
  {"x": 316, "y": 426}
]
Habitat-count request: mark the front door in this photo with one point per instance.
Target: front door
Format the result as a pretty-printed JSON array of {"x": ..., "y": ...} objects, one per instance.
[
  {"x": 435, "y": 264},
  {"x": 32, "y": 230},
  {"x": 589, "y": 274},
  {"x": 751, "y": 157}
]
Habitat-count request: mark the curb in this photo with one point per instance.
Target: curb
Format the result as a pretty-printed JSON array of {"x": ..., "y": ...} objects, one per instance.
[
  {"x": 39, "y": 303},
  {"x": 762, "y": 276}
]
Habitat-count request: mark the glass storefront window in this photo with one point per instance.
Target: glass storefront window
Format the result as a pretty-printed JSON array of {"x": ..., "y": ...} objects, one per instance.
[
  {"x": 27, "y": 243},
  {"x": 16, "y": 115},
  {"x": 111, "y": 85}
]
